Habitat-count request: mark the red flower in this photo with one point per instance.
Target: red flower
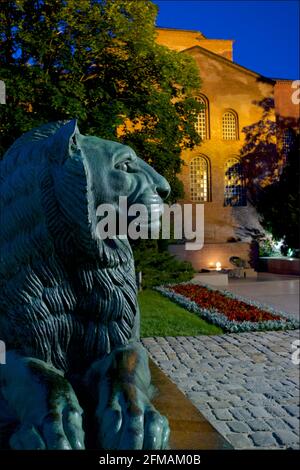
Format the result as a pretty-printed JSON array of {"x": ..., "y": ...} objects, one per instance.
[{"x": 233, "y": 309}]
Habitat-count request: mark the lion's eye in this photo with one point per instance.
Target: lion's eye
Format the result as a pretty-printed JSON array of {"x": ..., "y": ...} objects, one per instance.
[{"x": 122, "y": 166}]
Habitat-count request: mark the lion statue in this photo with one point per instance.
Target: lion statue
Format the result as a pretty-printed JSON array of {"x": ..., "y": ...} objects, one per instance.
[{"x": 76, "y": 375}]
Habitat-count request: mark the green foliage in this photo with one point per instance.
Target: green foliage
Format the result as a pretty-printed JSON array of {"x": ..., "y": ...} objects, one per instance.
[
  {"x": 158, "y": 266},
  {"x": 279, "y": 203},
  {"x": 276, "y": 199},
  {"x": 161, "y": 317},
  {"x": 266, "y": 247},
  {"x": 97, "y": 60},
  {"x": 260, "y": 158}
]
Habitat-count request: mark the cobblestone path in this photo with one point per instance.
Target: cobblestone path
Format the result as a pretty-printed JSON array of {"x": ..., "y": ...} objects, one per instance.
[{"x": 245, "y": 384}]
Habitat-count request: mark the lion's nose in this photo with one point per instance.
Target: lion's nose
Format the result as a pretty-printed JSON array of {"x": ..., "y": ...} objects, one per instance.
[{"x": 163, "y": 188}]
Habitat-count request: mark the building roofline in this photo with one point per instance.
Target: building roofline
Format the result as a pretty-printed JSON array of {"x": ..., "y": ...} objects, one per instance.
[
  {"x": 230, "y": 63},
  {"x": 284, "y": 79},
  {"x": 179, "y": 29},
  {"x": 193, "y": 31}
]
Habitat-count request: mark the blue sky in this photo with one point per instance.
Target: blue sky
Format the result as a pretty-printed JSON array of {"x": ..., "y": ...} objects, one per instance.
[{"x": 266, "y": 32}]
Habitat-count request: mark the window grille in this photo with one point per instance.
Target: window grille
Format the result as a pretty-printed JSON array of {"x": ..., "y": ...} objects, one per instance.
[{"x": 199, "y": 179}]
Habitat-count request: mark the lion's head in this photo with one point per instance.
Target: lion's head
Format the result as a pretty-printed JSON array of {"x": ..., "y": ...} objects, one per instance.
[
  {"x": 114, "y": 170},
  {"x": 54, "y": 265},
  {"x": 77, "y": 173}
]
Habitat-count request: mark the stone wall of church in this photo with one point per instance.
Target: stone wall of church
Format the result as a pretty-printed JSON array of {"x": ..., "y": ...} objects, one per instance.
[
  {"x": 226, "y": 88},
  {"x": 179, "y": 40},
  {"x": 287, "y": 95}
]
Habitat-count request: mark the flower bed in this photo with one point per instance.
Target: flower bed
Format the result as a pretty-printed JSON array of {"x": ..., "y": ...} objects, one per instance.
[{"x": 231, "y": 312}]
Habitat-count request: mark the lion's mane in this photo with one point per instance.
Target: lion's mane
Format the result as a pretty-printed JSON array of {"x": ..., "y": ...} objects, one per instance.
[{"x": 66, "y": 297}]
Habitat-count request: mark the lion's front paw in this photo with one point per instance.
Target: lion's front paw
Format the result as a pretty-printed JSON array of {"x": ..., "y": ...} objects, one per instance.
[
  {"x": 61, "y": 428},
  {"x": 131, "y": 422},
  {"x": 44, "y": 404}
]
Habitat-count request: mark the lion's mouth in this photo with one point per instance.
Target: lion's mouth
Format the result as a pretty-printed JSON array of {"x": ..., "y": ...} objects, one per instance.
[
  {"x": 117, "y": 221},
  {"x": 152, "y": 219},
  {"x": 146, "y": 213}
]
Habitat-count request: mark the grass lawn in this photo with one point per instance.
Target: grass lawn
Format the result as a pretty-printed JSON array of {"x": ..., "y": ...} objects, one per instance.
[{"x": 161, "y": 317}]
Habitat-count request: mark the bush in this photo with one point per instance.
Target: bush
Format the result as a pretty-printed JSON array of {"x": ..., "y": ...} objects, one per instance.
[{"x": 157, "y": 265}]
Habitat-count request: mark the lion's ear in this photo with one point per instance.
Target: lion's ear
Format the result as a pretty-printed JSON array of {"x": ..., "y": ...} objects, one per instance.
[{"x": 63, "y": 143}]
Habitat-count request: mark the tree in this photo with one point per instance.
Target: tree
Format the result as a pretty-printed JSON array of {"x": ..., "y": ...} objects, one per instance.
[
  {"x": 272, "y": 175},
  {"x": 279, "y": 202},
  {"x": 261, "y": 161},
  {"x": 97, "y": 60}
]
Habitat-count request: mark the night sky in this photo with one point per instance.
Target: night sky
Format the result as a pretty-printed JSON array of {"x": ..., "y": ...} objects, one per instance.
[{"x": 266, "y": 33}]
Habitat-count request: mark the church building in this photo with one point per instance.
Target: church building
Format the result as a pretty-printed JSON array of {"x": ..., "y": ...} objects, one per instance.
[{"x": 236, "y": 101}]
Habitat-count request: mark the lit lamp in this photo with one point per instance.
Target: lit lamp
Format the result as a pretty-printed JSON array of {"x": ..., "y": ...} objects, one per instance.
[{"x": 218, "y": 266}]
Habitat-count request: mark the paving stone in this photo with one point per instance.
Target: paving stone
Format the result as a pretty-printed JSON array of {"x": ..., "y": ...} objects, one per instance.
[
  {"x": 293, "y": 401},
  {"x": 241, "y": 414},
  {"x": 198, "y": 396},
  {"x": 292, "y": 422},
  {"x": 176, "y": 376},
  {"x": 258, "y": 425},
  {"x": 207, "y": 414},
  {"x": 215, "y": 404},
  {"x": 293, "y": 410},
  {"x": 239, "y": 441},
  {"x": 223, "y": 415},
  {"x": 262, "y": 388},
  {"x": 294, "y": 381},
  {"x": 238, "y": 426},
  {"x": 278, "y": 424},
  {"x": 237, "y": 402},
  {"x": 286, "y": 437},
  {"x": 221, "y": 427},
  {"x": 275, "y": 410},
  {"x": 263, "y": 439},
  {"x": 258, "y": 412},
  {"x": 220, "y": 394}
]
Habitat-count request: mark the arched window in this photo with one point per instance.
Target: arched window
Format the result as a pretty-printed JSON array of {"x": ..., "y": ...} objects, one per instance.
[
  {"x": 202, "y": 123},
  {"x": 199, "y": 179},
  {"x": 234, "y": 189},
  {"x": 230, "y": 125}
]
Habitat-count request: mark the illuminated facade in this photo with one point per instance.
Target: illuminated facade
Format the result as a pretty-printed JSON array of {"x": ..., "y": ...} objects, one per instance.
[{"x": 233, "y": 98}]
